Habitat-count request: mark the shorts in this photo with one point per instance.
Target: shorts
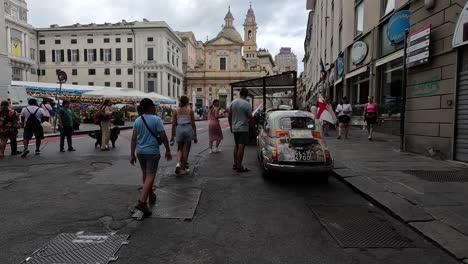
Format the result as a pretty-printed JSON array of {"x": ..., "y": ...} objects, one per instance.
[
  {"x": 184, "y": 133},
  {"x": 241, "y": 138},
  {"x": 149, "y": 162},
  {"x": 344, "y": 119},
  {"x": 371, "y": 119},
  {"x": 38, "y": 134}
]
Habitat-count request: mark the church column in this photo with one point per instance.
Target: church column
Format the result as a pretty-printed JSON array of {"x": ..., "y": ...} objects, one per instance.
[
  {"x": 9, "y": 40},
  {"x": 22, "y": 46}
]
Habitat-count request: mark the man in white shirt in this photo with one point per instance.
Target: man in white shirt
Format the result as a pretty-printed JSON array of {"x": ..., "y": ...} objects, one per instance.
[{"x": 32, "y": 117}]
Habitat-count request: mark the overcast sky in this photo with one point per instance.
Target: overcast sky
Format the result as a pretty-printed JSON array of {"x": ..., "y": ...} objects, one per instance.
[{"x": 281, "y": 23}]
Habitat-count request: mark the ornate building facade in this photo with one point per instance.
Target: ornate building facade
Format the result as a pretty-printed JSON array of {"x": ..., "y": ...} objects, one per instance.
[{"x": 212, "y": 66}]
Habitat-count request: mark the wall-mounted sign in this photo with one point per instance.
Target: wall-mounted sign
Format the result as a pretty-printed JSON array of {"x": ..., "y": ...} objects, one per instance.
[
  {"x": 340, "y": 66},
  {"x": 417, "y": 52},
  {"x": 359, "y": 52},
  {"x": 397, "y": 25},
  {"x": 460, "y": 37}
]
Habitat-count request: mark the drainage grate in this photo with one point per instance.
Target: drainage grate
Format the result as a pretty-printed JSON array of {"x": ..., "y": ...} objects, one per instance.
[
  {"x": 440, "y": 176},
  {"x": 356, "y": 227},
  {"x": 79, "y": 248}
]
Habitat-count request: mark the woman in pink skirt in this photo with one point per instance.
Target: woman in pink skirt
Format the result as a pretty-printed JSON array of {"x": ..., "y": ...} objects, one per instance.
[{"x": 214, "y": 128}]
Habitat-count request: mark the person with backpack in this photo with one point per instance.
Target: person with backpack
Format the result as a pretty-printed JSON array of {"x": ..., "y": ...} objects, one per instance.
[
  {"x": 148, "y": 135},
  {"x": 66, "y": 126},
  {"x": 32, "y": 117},
  {"x": 105, "y": 116}
]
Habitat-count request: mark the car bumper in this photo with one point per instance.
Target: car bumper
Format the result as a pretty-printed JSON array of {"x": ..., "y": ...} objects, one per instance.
[{"x": 298, "y": 168}]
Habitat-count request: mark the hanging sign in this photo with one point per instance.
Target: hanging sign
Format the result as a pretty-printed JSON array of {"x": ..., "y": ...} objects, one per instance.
[
  {"x": 460, "y": 37},
  {"x": 359, "y": 52},
  {"x": 340, "y": 66},
  {"x": 397, "y": 25},
  {"x": 419, "y": 42}
]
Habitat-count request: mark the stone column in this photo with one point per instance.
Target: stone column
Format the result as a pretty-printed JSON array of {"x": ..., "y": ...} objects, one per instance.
[
  {"x": 8, "y": 39},
  {"x": 26, "y": 45},
  {"x": 5, "y": 67}
]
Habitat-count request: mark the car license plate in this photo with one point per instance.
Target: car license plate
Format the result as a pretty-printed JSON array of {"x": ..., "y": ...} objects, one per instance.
[{"x": 304, "y": 155}]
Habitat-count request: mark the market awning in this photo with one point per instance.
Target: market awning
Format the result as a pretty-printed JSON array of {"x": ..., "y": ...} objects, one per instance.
[
  {"x": 269, "y": 86},
  {"x": 53, "y": 88}
]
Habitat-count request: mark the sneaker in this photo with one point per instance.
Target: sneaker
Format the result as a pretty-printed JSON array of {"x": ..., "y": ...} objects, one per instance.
[
  {"x": 217, "y": 150},
  {"x": 143, "y": 208},
  {"x": 178, "y": 170},
  {"x": 25, "y": 153},
  {"x": 38, "y": 152},
  {"x": 62, "y": 150},
  {"x": 339, "y": 137},
  {"x": 152, "y": 198},
  {"x": 187, "y": 171},
  {"x": 211, "y": 151},
  {"x": 16, "y": 153},
  {"x": 71, "y": 149}
]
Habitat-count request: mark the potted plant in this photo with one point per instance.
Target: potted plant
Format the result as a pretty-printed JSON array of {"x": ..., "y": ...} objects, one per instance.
[{"x": 119, "y": 118}]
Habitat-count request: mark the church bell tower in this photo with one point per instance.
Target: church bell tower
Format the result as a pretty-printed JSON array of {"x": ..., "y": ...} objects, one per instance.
[{"x": 250, "y": 35}]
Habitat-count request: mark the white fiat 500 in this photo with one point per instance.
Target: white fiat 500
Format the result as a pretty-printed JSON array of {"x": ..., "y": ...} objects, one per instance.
[{"x": 291, "y": 141}]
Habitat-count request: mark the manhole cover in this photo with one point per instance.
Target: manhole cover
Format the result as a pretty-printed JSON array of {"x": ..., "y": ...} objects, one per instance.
[
  {"x": 440, "y": 176},
  {"x": 79, "y": 248},
  {"x": 356, "y": 227}
]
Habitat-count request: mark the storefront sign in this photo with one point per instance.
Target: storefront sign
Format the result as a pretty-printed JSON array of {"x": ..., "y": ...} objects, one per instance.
[
  {"x": 397, "y": 25},
  {"x": 359, "y": 52},
  {"x": 340, "y": 66},
  {"x": 460, "y": 37},
  {"x": 419, "y": 42}
]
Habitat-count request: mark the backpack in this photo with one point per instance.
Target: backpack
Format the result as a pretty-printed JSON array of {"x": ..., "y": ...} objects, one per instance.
[
  {"x": 99, "y": 116},
  {"x": 33, "y": 123}
]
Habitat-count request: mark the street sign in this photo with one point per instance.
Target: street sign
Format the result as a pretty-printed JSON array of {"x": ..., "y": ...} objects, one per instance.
[
  {"x": 417, "y": 52},
  {"x": 62, "y": 76}
]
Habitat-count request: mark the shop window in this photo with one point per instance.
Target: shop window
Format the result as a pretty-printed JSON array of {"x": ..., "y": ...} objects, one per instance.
[
  {"x": 387, "y": 47},
  {"x": 392, "y": 81},
  {"x": 359, "y": 18}
]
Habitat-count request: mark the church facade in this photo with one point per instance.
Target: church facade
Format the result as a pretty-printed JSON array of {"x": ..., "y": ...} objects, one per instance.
[{"x": 211, "y": 67}]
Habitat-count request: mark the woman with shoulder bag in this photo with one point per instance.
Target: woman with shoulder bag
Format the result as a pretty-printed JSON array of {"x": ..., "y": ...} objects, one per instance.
[{"x": 370, "y": 115}]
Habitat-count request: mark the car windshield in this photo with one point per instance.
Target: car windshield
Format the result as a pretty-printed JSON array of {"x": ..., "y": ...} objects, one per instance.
[{"x": 289, "y": 123}]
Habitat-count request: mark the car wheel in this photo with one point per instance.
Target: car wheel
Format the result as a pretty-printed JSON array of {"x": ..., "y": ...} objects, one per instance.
[{"x": 266, "y": 173}]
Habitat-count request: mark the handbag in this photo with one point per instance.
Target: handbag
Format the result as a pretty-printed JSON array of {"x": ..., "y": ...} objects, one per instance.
[{"x": 158, "y": 138}]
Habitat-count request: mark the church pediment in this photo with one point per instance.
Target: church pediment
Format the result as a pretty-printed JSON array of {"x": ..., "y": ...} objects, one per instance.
[{"x": 222, "y": 41}]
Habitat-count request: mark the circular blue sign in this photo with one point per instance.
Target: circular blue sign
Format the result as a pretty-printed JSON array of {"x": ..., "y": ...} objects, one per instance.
[
  {"x": 340, "y": 66},
  {"x": 397, "y": 25}
]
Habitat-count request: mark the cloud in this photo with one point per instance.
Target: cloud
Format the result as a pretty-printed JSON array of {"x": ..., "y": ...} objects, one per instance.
[{"x": 281, "y": 23}]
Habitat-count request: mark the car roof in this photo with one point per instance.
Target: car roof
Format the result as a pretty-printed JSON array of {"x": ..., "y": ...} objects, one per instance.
[{"x": 289, "y": 113}]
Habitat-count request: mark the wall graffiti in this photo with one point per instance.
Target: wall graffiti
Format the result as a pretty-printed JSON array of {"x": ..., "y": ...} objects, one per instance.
[{"x": 427, "y": 88}]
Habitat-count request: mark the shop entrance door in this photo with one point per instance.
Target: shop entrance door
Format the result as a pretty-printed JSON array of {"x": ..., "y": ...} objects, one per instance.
[{"x": 461, "y": 123}]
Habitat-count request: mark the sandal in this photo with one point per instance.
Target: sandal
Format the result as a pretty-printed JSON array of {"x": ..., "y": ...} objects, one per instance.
[{"x": 243, "y": 169}]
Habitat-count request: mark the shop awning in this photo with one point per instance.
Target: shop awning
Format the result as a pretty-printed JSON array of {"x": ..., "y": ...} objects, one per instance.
[
  {"x": 356, "y": 72},
  {"x": 268, "y": 86},
  {"x": 389, "y": 58}
]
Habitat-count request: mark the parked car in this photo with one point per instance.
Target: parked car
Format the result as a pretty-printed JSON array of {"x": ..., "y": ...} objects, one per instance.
[
  {"x": 291, "y": 141},
  {"x": 16, "y": 96}
]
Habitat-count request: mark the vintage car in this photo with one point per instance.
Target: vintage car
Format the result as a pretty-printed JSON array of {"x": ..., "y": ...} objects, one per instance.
[{"x": 291, "y": 141}]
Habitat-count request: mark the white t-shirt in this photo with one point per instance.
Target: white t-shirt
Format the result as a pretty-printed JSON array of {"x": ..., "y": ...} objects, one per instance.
[
  {"x": 32, "y": 108},
  {"x": 342, "y": 108}
]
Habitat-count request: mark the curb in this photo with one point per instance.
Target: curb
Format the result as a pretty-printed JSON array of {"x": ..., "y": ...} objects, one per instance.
[{"x": 394, "y": 215}]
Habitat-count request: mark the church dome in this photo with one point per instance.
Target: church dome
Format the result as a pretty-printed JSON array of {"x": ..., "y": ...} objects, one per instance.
[{"x": 231, "y": 33}]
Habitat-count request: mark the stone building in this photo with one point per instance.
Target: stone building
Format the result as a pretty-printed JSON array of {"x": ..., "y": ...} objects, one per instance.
[
  {"x": 145, "y": 56},
  {"x": 285, "y": 61},
  {"x": 5, "y": 68},
  {"x": 211, "y": 66},
  {"x": 20, "y": 40}
]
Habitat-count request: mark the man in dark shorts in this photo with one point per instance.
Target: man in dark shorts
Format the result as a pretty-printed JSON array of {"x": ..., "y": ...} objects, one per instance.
[
  {"x": 240, "y": 113},
  {"x": 32, "y": 117}
]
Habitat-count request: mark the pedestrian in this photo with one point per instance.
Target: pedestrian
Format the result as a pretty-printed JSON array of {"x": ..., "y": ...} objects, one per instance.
[
  {"x": 344, "y": 111},
  {"x": 47, "y": 110},
  {"x": 326, "y": 124},
  {"x": 370, "y": 116},
  {"x": 183, "y": 131},
  {"x": 105, "y": 122},
  {"x": 148, "y": 135},
  {"x": 8, "y": 129},
  {"x": 31, "y": 119},
  {"x": 240, "y": 113},
  {"x": 65, "y": 119},
  {"x": 214, "y": 128}
]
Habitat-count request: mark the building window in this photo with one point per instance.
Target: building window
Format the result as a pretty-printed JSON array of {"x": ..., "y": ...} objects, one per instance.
[
  {"x": 359, "y": 18},
  {"x": 118, "y": 54},
  {"x": 118, "y": 84},
  {"x": 91, "y": 71},
  {"x": 130, "y": 84},
  {"x": 43, "y": 73},
  {"x": 107, "y": 84},
  {"x": 169, "y": 85},
  {"x": 130, "y": 71},
  {"x": 75, "y": 72},
  {"x": 91, "y": 84},
  {"x": 42, "y": 56},
  {"x": 387, "y": 6},
  {"x": 107, "y": 71},
  {"x": 32, "y": 54},
  {"x": 75, "y": 56},
  {"x": 118, "y": 71},
  {"x": 33, "y": 71},
  {"x": 42, "y": 41},
  {"x": 74, "y": 41},
  {"x": 107, "y": 40},
  {"x": 199, "y": 90},
  {"x": 129, "y": 40},
  {"x": 58, "y": 56},
  {"x": 90, "y": 55},
  {"x": 90, "y": 41},
  {"x": 74, "y": 83},
  {"x": 107, "y": 55},
  {"x": 150, "y": 39},
  {"x": 57, "y": 41},
  {"x": 222, "y": 64},
  {"x": 129, "y": 54},
  {"x": 392, "y": 80},
  {"x": 117, "y": 40},
  {"x": 150, "y": 54}
]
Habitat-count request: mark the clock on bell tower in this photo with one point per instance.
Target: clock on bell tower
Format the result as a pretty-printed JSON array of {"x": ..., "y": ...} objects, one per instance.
[{"x": 250, "y": 34}]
